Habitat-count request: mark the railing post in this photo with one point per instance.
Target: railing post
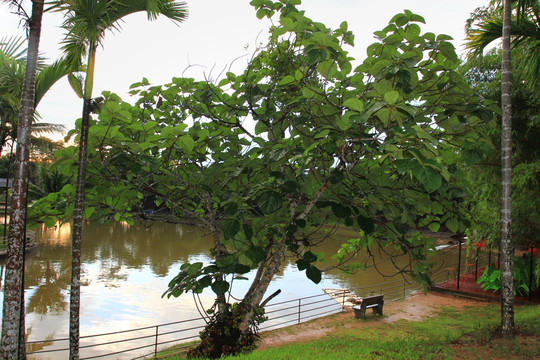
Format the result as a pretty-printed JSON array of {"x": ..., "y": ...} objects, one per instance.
[
  {"x": 459, "y": 263},
  {"x": 156, "y": 343},
  {"x": 299, "y": 309},
  {"x": 476, "y": 266}
]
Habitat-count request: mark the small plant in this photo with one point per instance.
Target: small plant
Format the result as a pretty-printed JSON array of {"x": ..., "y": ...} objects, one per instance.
[
  {"x": 223, "y": 337},
  {"x": 491, "y": 278}
]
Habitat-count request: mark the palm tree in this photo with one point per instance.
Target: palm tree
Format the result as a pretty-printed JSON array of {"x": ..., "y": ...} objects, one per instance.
[
  {"x": 525, "y": 27},
  {"x": 13, "y": 340},
  {"x": 507, "y": 246},
  {"x": 498, "y": 23},
  {"x": 86, "y": 22},
  {"x": 12, "y": 68}
]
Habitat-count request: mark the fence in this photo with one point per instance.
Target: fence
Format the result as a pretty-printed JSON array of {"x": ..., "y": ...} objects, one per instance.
[{"x": 148, "y": 341}]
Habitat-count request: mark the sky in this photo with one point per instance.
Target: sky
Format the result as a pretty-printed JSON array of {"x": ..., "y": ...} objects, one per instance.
[{"x": 216, "y": 34}]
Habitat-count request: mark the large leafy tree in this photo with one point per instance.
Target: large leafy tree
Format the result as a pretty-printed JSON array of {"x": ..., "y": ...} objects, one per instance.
[
  {"x": 13, "y": 344},
  {"x": 279, "y": 155},
  {"x": 86, "y": 23},
  {"x": 497, "y": 22}
]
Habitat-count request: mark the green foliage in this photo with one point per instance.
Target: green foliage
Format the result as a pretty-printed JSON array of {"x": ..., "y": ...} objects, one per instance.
[
  {"x": 300, "y": 142},
  {"x": 483, "y": 198},
  {"x": 491, "y": 278}
]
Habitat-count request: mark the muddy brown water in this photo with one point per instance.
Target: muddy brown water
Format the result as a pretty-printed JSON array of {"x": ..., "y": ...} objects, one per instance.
[{"x": 126, "y": 269}]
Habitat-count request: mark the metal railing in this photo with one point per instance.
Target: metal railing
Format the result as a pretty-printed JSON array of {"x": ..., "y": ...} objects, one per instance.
[{"x": 148, "y": 341}]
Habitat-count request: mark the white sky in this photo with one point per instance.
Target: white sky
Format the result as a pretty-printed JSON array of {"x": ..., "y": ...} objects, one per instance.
[{"x": 215, "y": 33}]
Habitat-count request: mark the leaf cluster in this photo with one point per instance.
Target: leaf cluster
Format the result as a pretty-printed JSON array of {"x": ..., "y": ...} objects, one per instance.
[{"x": 301, "y": 142}]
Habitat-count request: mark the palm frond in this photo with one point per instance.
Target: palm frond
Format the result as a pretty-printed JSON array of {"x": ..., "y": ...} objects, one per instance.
[
  {"x": 487, "y": 31},
  {"x": 11, "y": 75},
  {"x": 86, "y": 21},
  {"x": 47, "y": 128},
  {"x": 18, "y": 8},
  {"x": 13, "y": 46},
  {"x": 49, "y": 75},
  {"x": 172, "y": 9}
]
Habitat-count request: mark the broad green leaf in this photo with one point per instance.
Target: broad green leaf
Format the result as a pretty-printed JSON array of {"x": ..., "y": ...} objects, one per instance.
[
  {"x": 194, "y": 268},
  {"x": 248, "y": 231},
  {"x": 448, "y": 50},
  {"x": 269, "y": 202},
  {"x": 436, "y": 208},
  {"x": 452, "y": 225},
  {"x": 220, "y": 287},
  {"x": 289, "y": 79},
  {"x": 429, "y": 177},
  {"x": 316, "y": 55},
  {"x": 314, "y": 274},
  {"x": 391, "y": 97},
  {"x": 310, "y": 257},
  {"x": 434, "y": 226},
  {"x": 255, "y": 254},
  {"x": 366, "y": 224},
  {"x": 343, "y": 122},
  {"x": 291, "y": 187},
  {"x": 230, "y": 227},
  {"x": 413, "y": 30},
  {"x": 354, "y": 104},
  {"x": 341, "y": 211},
  {"x": 405, "y": 165},
  {"x": 187, "y": 143},
  {"x": 241, "y": 269},
  {"x": 322, "y": 134},
  {"x": 88, "y": 211},
  {"x": 205, "y": 281},
  {"x": 302, "y": 264}
]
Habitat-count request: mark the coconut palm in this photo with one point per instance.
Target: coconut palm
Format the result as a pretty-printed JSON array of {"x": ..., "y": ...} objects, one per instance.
[
  {"x": 86, "y": 22},
  {"x": 13, "y": 343}
]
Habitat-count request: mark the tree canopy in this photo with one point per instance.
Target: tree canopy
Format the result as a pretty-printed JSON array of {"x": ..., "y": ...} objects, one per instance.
[{"x": 273, "y": 159}]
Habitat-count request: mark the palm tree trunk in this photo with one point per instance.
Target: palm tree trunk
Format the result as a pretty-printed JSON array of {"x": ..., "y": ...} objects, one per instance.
[
  {"x": 75, "y": 293},
  {"x": 13, "y": 314},
  {"x": 507, "y": 247}
]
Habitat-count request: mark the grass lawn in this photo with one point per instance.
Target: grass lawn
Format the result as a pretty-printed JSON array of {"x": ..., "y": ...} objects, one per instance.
[{"x": 470, "y": 333}]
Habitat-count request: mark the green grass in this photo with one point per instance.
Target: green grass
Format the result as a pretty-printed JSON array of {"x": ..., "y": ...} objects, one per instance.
[{"x": 469, "y": 332}]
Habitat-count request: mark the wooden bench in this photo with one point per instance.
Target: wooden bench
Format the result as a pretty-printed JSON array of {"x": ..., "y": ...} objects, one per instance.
[{"x": 375, "y": 302}]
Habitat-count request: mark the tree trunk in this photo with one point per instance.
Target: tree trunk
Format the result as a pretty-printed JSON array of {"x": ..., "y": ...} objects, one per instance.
[
  {"x": 13, "y": 313},
  {"x": 507, "y": 247},
  {"x": 256, "y": 292},
  {"x": 75, "y": 293}
]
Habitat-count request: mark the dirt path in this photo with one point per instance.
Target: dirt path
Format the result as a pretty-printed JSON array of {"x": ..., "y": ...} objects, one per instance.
[{"x": 415, "y": 308}]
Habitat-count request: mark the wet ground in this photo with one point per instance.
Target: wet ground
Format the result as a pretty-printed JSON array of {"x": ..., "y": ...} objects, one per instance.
[{"x": 415, "y": 308}]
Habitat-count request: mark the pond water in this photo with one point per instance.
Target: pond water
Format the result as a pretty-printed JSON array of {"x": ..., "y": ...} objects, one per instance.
[{"x": 126, "y": 269}]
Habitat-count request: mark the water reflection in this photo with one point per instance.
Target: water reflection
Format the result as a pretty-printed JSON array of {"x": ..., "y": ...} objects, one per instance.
[{"x": 126, "y": 269}]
